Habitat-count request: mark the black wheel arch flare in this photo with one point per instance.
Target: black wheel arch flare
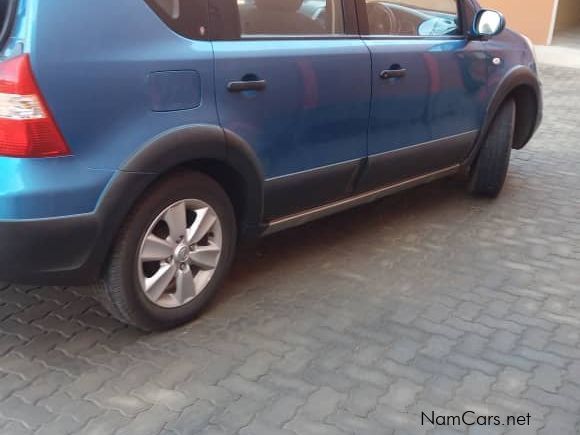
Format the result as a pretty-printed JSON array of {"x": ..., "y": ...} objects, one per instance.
[
  {"x": 175, "y": 149},
  {"x": 522, "y": 84}
]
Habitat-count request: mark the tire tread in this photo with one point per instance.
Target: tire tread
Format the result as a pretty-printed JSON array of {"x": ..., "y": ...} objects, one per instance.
[{"x": 490, "y": 170}]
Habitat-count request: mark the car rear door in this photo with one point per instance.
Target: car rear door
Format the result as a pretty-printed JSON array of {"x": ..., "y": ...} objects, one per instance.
[
  {"x": 428, "y": 88},
  {"x": 293, "y": 81}
]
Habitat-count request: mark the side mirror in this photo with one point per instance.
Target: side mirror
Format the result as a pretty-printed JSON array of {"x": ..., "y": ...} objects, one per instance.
[{"x": 488, "y": 23}]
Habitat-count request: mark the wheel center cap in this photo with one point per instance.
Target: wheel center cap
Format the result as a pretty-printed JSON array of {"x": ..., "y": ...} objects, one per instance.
[{"x": 182, "y": 253}]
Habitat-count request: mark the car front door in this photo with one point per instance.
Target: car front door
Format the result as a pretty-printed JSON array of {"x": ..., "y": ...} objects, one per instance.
[
  {"x": 293, "y": 81},
  {"x": 428, "y": 88}
]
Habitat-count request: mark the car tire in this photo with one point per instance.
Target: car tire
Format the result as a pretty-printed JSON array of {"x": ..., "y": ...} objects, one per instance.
[
  {"x": 131, "y": 288},
  {"x": 490, "y": 170}
]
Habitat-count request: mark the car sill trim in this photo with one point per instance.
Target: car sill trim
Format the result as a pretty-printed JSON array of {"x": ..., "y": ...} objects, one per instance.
[{"x": 354, "y": 201}]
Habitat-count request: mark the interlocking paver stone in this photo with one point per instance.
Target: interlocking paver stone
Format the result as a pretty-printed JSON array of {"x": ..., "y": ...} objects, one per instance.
[
  {"x": 401, "y": 394},
  {"x": 18, "y": 410},
  {"x": 427, "y": 301}
]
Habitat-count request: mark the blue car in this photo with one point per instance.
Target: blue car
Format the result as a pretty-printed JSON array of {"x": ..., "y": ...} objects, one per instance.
[{"x": 142, "y": 140}]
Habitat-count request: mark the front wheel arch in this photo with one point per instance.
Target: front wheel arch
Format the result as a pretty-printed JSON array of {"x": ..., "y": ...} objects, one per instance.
[
  {"x": 521, "y": 84},
  {"x": 526, "y": 114}
]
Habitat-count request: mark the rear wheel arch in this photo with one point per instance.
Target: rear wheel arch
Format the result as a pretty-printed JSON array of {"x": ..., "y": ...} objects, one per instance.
[
  {"x": 218, "y": 153},
  {"x": 223, "y": 156},
  {"x": 244, "y": 194}
]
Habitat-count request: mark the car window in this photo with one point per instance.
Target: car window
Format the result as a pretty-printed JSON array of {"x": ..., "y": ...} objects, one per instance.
[
  {"x": 7, "y": 12},
  {"x": 186, "y": 17},
  {"x": 413, "y": 17},
  {"x": 290, "y": 17}
]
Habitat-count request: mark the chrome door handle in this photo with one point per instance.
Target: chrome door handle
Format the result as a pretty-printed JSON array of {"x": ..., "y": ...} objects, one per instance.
[
  {"x": 249, "y": 85},
  {"x": 393, "y": 73}
]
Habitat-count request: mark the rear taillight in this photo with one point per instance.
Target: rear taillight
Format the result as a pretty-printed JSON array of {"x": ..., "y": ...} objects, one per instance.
[{"x": 27, "y": 128}]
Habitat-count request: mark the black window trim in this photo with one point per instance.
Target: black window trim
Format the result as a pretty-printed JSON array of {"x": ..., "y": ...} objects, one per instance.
[
  {"x": 364, "y": 26},
  {"x": 355, "y": 25}
]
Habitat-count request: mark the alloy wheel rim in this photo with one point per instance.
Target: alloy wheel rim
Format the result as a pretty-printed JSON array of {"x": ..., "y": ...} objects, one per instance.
[{"x": 179, "y": 253}]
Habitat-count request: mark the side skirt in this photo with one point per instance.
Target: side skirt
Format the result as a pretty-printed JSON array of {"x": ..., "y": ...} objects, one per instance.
[{"x": 304, "y": 217}]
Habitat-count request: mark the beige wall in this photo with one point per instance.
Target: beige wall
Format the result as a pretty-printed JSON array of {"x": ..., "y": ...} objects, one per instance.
[
  {"x": 568, "y": 14},
  {"x": 533, "y": 18}
]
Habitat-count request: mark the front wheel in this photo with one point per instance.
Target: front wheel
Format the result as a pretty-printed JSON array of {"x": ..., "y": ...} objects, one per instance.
[
  {"x": 172, "y": 254},
  {"x": 491, "y": 168}
]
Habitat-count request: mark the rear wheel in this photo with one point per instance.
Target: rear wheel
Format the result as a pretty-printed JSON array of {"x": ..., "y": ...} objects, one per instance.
[
  {"x": 172, "y": 254},
  {"x": 491, "y": 168}
]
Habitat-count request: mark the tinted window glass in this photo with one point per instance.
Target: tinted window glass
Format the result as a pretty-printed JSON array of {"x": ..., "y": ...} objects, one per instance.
[
  {"x": 7, "y": 13},
  {"x": 3, "y": 10},
  {"x": 413, "y": 17},
  {"x": 186, "y": 17},
  {"x": 291, "y": 17}
]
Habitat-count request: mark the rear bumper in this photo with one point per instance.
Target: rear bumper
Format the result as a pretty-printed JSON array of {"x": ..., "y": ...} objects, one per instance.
[
  {"x": 47, "y": 251},
  {"x": 69, "y": 250}
]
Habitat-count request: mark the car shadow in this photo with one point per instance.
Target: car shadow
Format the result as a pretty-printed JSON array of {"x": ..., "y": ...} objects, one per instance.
[
  {"x": 68, "y": 329},
  {"x": 274, "y": 254}
]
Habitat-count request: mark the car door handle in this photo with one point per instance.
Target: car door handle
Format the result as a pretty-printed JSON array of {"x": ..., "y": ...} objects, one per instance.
[
  {"x": 393, "y": 73},
  {"x": 247, "y": 85}
]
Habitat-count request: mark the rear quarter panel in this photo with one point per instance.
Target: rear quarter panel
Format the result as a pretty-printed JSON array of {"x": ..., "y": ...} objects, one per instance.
[{"x": 93, "y": 60}]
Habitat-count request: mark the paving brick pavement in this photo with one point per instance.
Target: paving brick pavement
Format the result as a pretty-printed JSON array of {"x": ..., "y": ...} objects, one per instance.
[{"x": 427, "y": 301}]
